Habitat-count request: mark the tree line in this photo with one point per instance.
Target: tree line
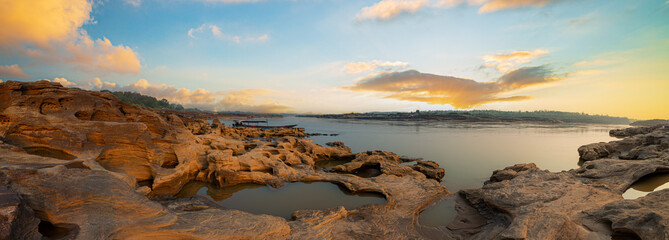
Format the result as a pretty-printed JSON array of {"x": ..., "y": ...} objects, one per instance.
[{"x": 148, "y": 101}]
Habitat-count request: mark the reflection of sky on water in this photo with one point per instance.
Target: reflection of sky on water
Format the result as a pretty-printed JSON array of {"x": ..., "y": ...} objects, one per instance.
[
  {"x": 647, "y": 184},
  {"x": 283, "y": 201},
  {"x": 468, "y": 151}
]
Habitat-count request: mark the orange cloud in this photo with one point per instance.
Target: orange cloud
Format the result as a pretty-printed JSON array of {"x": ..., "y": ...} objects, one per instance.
[
  {"x": 496, "y": 5},
  {"x": 506, "y": 61},
  {"x": 247, "y": 100},
  {"x": 50, "y": 31},
  {"x": 102, "y": 55},
  {"x": 412, "y": 85},
  {"x": 64, "y": 82},
  {"x": 387, "y": 9},
  {"x": 40, "y": 22},
  {"x": 12, "y": 71}
]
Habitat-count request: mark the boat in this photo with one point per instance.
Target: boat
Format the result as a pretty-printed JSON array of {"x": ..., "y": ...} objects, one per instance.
[{"x": 258, "y": 124}]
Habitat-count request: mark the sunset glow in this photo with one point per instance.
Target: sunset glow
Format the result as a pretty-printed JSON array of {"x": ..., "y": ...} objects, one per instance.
[{"x": 283, "y": 56}]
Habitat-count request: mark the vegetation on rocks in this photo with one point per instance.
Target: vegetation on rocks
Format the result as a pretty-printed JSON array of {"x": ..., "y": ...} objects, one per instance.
[{"x": 148, "y": 101}]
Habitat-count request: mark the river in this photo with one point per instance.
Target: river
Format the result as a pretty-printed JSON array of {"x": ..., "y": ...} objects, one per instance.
[{"x": 469, "y": 152}]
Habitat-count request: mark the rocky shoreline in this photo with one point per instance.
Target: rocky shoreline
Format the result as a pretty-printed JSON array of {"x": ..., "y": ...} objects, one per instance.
[{"x": 77, "y": 164}]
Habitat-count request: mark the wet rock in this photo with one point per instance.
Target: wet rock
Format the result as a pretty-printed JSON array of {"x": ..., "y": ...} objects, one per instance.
[{"x": 524, "y": 202}]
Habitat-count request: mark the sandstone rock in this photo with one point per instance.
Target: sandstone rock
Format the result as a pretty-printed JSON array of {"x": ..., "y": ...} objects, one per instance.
[
  {"x": 17, "y": 220},
  {"x": 85, "y": 163},
  {"x": 524, "y": 202},
  {"x": 639, "y": 146},
  {"x": 628, "y": 132},
  {"x": 430, "y": 169},
  {"x": 645, "y": 217}
]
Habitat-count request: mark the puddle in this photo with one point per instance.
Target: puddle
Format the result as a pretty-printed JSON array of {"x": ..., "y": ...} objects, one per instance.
[
  {"x": 647, "y": 184},
  {"x": 439, "y": 214},
  {"x": 408, "y": 164},
  {"x": 282, "y": 202},
  {"x": 328, "y": 165}
]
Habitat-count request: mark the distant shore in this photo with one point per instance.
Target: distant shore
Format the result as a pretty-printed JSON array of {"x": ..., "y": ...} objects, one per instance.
[{"x": 481, "y": 116}]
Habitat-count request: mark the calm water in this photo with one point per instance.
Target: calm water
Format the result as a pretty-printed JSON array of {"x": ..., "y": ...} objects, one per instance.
[
  {"x": 468, "y": 152},
  {"x": 647, "y": 184},
  {"x": 284, "y": 201}
]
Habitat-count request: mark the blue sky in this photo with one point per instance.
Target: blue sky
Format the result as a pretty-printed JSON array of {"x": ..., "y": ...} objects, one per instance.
[{"x": 296, "y": 56}]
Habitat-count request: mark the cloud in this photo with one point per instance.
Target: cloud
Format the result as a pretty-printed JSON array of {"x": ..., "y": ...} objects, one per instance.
[
  {"x": 496, "y": 5},
  {"x": 599, "y": 62},
  {"x": 49, "y": 31},
  {"x": 40, "y": 22},
  {"x": 387, "y": 9},
  {"x": 135, "y": 3},
  {"x": 64, "y": 82},
  {"x": 506, "y": 61},
  {"x": 96, "y": 83},
  {"x": 12, "y": 71},
  {"x": 579, "y": 21},
  {"x": 372, "y": 66},
  {"x": 101, "y": 54},
  {"x": 415, "y": 86},
  {"x": 217, "y": 33},
  {"x": 232, "y": 1},
  {"x": 248, "y": 100}
]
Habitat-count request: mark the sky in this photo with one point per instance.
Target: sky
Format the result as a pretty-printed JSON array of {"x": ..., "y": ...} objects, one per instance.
[{"x": 607, "y": 57}]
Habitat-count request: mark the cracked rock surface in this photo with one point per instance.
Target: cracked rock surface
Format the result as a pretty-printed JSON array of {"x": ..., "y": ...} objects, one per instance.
[
  {"x": 83, "y": 165},
  {"x": 524, "y": 202}
]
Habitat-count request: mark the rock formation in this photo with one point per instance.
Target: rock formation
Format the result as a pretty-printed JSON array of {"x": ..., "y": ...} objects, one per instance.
[
  {"x": 524, "y": 202},
  {"x": 77, "y": 164}
]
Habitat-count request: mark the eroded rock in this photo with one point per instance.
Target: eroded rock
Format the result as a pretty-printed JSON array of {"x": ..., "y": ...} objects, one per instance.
[
  {"x": 91, "y": 167},
  {"x": 524, "y": 202}
]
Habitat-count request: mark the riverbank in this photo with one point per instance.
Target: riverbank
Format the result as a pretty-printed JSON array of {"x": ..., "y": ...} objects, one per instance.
[
  {"x": 481, "y": 116},
  {"x": 78, "y": 164}
]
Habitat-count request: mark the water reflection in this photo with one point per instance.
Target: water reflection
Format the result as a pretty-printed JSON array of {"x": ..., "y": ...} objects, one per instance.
[
  {"x": 469, "y": 152},
  {"x": 439, "y": 214},
  {"x": 647, "y": 184},
  {"x": 284, "y": 201}
]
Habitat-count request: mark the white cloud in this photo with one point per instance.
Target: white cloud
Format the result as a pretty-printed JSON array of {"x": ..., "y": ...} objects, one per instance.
[
  {"x": 64, "y": 82},
  {"x": 372, "y": 66},
  {"x": 387, "y": 9},
  {"x": 217, "y": 33},
  {"x": 135, "y": 3},
  {"x": 504, "y": 62}
]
